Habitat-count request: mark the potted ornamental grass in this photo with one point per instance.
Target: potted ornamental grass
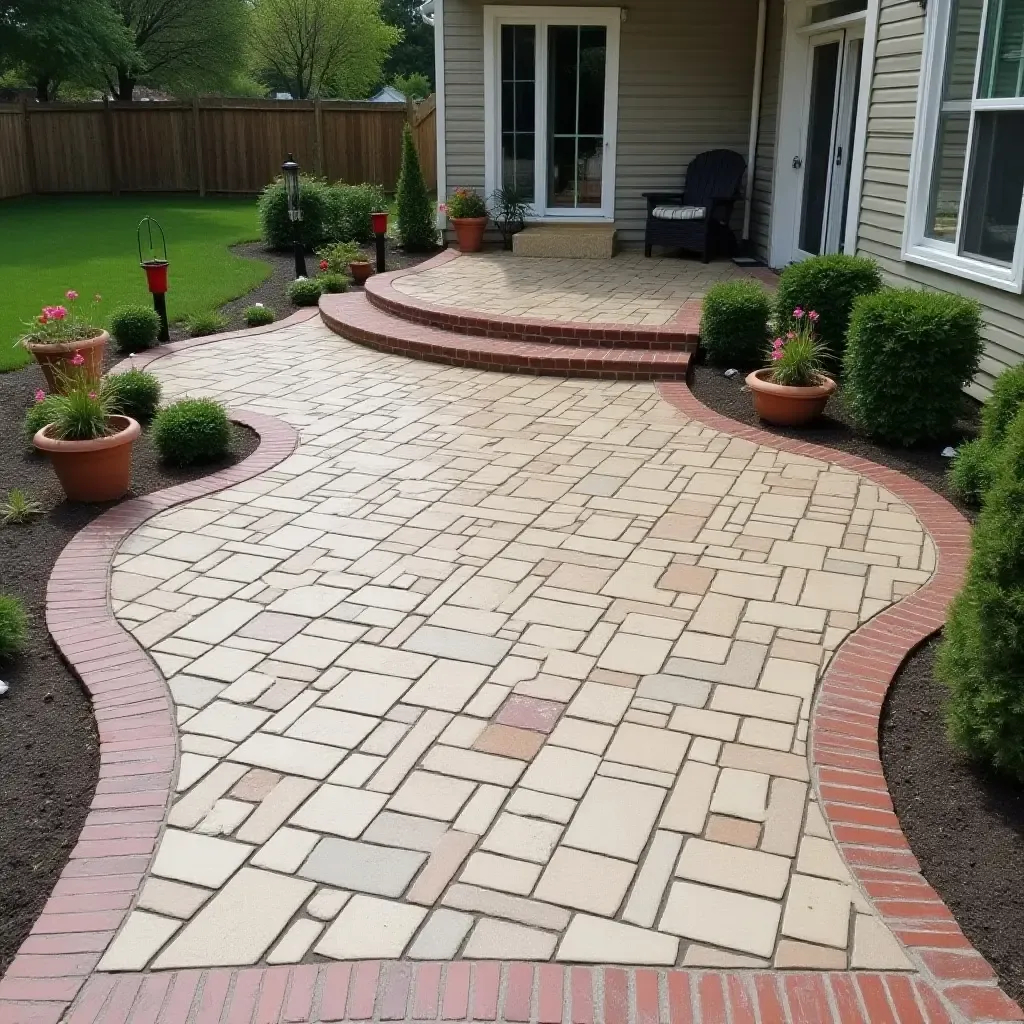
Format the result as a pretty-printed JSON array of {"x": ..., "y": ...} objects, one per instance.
[
  {"x": 62, "y": 331},
  {"x": 468, "y": 214},
  {"x": 88, "y": 443},
  {"x": 793, "y": 388}
]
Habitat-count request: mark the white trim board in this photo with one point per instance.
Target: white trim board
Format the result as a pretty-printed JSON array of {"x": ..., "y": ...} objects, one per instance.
[{"x": 440, "y": 111}]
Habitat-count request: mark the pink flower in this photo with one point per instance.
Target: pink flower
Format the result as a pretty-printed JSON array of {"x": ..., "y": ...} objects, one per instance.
[
  {"x": 58, "y": 313},
  {"x": 798, "y": 313},
  {"x": 78, "y": 359},
  {"x": 791, "y": 335},
  {"x": 813, "y": 317},
  {"x": 443, "y": 207},
  {"x": 40, "y": 395},
  {"x": 92, "y": 394},
  {"x": 777, "y": 354},
  {"x": 777, "y": 344},
  {"x": 71, "y": 294}
]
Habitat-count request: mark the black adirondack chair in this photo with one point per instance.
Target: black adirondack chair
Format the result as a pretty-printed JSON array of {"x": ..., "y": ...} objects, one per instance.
[{"x": 697, "y": 218}]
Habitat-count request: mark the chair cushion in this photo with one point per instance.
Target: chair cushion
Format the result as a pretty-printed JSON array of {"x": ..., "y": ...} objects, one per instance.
[{"x": 679, "y": 212}]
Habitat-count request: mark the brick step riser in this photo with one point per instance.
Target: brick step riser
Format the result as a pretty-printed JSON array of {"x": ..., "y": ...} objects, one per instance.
[{"x": 580, "y": 335}]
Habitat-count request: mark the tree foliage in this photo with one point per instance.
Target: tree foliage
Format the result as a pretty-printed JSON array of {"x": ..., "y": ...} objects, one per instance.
[
  {"x": 414, "y": 54},
  {"x": 320, "y": 47},
  {"x": 413, "y": 86}
]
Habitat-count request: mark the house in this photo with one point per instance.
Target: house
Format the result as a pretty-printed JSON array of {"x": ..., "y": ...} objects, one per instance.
[
  {"x": 890, "y": 128},
  {"x": 389, "y": 94}
]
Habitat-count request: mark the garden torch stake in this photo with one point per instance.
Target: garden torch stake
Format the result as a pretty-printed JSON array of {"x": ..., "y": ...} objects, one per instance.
[
  {"x": 156, "y": 274},
  {"x": 380, "y": 230}
]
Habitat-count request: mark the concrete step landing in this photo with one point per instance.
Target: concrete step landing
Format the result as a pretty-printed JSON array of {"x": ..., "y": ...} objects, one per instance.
[{"x": 566, "y": 241}]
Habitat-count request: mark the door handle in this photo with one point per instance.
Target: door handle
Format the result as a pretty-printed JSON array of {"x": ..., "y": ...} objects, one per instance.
[
  {"x": 797, "y": 163},
  {"x": 839, "y": 156}
]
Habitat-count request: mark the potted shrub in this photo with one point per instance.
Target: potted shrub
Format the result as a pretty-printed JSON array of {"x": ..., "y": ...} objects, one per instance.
[
  {"x": 342, "y": 256},
  {"x": 792, "y": 389},
  {"x": 88, "y": 443},
  {"x": 60, "y": 332},
  {"x": 468, "y": 214}
]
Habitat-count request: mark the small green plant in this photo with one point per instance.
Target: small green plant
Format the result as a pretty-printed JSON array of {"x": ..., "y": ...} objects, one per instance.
[
  {"x": 974, "y": 466},
  {"x": 134, "y": 328},
  {"x": 40, "y": 415},
  {"x": 304, "y": 291},
  {"x": 201, "y": 325},
  {"x": 734, "y": 323},
  {"x": 417, "y": 227},
  {"x": 829, "y": 285},
  {"x": 335, "y": 258},
  {"x": 134, "y": 393},
  {"x": 798, "y": 356},
  {"x": 13, "y": 626},
  {"x": 981, "y": 659},
  {"x": 83, "y": 411},
  {"x": 194, "y": 430},
  {"x": 510, "y": 211},
  {"x": 259, "y": 315},
  {"x": 908, "y": 355},
  {"x": 465, "y": 202},
  {"x": 357, "y": 203},
  {"x": 57, "y": 325},
  {"x": 332, "y": 284},
  {"x": 320, "y": 204},
  {"x": 18, "y": 507}
]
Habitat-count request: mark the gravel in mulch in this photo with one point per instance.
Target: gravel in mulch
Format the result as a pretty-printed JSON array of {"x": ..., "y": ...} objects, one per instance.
[{"x": 48, "y": 745}]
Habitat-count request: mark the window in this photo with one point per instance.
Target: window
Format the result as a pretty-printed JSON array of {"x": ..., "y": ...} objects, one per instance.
[{"x": 969, "y": 147}]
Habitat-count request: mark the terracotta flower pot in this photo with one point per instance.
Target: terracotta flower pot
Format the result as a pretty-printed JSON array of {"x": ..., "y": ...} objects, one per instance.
[
  {"x": 97, "y": 470},
  {"x": 360, "y": 270},
  {"x": 787, "y": 406},
  {"x": 54, "y": 360},
  {"x": 470, "y": 232}
]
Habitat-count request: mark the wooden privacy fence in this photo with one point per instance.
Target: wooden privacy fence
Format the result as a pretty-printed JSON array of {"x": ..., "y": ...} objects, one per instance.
[{"x": 208, "y": 145}]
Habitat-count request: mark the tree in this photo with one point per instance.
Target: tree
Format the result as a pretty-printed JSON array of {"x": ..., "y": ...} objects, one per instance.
[
  {"x": 417, "y": 230},
  {"x": 415, "y": 53},
  {"x": 320, "y": 47},
  {"x": 53, "y": 41},
  {"x": 184, "y": 46},
  {"x": 414, "y": 86}
]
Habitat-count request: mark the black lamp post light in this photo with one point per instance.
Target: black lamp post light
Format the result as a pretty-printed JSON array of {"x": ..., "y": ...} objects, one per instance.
[{"x": 290, "y": 170}]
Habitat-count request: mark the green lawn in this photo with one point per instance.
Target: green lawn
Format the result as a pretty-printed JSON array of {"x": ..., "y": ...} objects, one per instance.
[{"x": 48, "y": 245}]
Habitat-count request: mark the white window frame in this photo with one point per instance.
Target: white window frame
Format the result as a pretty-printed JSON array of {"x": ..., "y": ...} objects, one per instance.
[
  {"x": 542, "y": 17},
  {"x": 917, "y": 247}
]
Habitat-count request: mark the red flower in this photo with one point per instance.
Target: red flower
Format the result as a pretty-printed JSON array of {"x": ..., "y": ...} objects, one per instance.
[{"x": 324, "y": 264}]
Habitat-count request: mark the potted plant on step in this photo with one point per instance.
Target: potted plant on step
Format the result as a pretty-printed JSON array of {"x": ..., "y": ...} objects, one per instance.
[
  {"x": 792, "y": 389},
  {"x": 89, "y": 445},
  {"x": 468, "y": 214},
  {"x": 510, "y": 211},
  {"x": 58, "y": 333}
]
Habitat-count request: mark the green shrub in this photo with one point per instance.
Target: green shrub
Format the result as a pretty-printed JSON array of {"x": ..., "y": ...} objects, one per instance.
[
  {"x": 357, "y": 202},
  {"x": 259, "y": 316},
  {"x": 40, "y": 415},
  {"x": 981, "y": 659},
  {"x": 304, "y": 291},
  {"x": 970, "y": 473},
  {"x": 339, "y": 255},
  {"x": 734, "y": 323},
  {"x": 321, "y": 214},
  {"x": 417, "y": 226},
  {"x": 13, "y": 626},
  {"x": 331, "y": 284},
  {"x": 134, "y": 328},
  {"x": 192, "y": 430},
  {"x": 201, "y": 325},
  {"x": 829, "y": 285},
  {"x": 908, "y": 355},
  {"x": 134, "y": 393}
]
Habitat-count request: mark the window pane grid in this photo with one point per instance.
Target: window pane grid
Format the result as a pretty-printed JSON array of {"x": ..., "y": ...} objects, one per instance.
[{"x": 518, "y": 91}]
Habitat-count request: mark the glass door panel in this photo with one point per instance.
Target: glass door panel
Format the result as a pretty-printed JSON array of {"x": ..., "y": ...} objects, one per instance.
[
  {"x": 821, "y": 118},
  {"x": 518, "y": 92}
]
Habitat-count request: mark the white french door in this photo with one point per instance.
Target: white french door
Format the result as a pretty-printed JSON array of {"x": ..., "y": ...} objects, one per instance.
[{"x": 550, "y": 108}]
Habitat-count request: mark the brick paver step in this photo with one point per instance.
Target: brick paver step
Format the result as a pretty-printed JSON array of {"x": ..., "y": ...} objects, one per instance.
[{"x": 354, "y": 317}]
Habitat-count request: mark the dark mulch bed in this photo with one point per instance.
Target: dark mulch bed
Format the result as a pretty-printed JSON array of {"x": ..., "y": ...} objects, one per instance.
[
  {"x": 48, "y": 751},
  {"x": 966, "y": 828}
]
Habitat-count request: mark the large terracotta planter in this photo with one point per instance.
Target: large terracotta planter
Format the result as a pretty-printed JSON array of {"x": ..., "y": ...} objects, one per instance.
[
  {"x": 360, "y": 270},
  {"x": 55, "y": 360},
  {"x": 470, "y": 232},
  {"x": 788, "y": 406},
  {"x": 97, "y": 470}
]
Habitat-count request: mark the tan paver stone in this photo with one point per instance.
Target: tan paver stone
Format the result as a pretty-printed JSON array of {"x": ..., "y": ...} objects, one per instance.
[
  {"x": 447, "y": 685},
  {"x": 717, "y": 614},
  {"x": 295, "y": 942},
  {"x": 561, "y": 772},
  {"x": 596, "y": 940},
  {"x": 875, "y": 947},
  {"x": 441, "y": 936},
  {"x": 703, "y": 647},
  {"x": 715, "y": 724},
  {"x": 792, "y": 954},
  {"x": 226, "y": 721},
  {"x": 600, "y": 702},
  {"x": 757, "y": 732},
  {"x": 756, "y": 703},
  {"x": 768, "y": 762},
  {"x": 442, "y": 866},
  {"x": 722, "y": 918},
  {"x": 282, "y": 754},
  {"x": 142, "y": 935},
  {"x": 615, "y": 818},
  {"x": 500, "y": 940},
  {"x": 327, "y": 904},
  {"x": 697, "y": 955},
  {"x": 479, "y": 812},
  {"x": 784, "y": 817},
  {"x": 733, "y": 867},
  {"x": 740, "y": 584},
  {"x": 821, "y": 857},
  {"x": 655, "y": 874},
  {"x": 239, "y": 924},
  {"x": 431, "y": 796},
  {"x": 334, "y": 728},
  {"x": 687, "y": 807},
  {"x": 818, "y": 911},
  {"x": 193, "y": 807},
  {"x": 286, "y": 850},
  {"x": 503, "y": 873},
  {"x": 171, "y": 898},
  {"x": 581, "y": 735},
  {"x": 648, "y": 747},
  {"x": 784, "y": 506},
  {"x": 408, "y": 752},
  {"x": 628, "y": 652},
  {"x": 405, "y": 831},
  {"x": 687, "y": 579},
  {"x": 515, "y": 908},
  {"x": 741, "y": 794},
  {"x": 472, "y": 764},
  {"x": 526, "y": 838},
  {"x": 541, "y": 805},
  {"x": 201, "y": 860},
  {"x": 833, "y": 590},
  {"x": 364, "y": 867},
  {"x": 369, "y": 927},
  {"x": 586, "y": 881},
  {"x": 734, "y": 831},
  {"x": 339, "y": 810},
  {"x": 509, "y": 742},
  {"x": 275, "y": 808}
]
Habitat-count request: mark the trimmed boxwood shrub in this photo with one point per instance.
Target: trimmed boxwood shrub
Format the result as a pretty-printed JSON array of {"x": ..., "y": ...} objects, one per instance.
[
  {"x": 321, "y": 213},
  {"x": 357, "y": 202},
  {"x": 974, "y": 467},
  {"x": 331, "y": 284},
  {"x": 981, "y": 659},
  {"x": 134, "y": 393},
  {"x": 304, "y": 291},
  {"x": 201, "y": 325},
  {"x": 192, "y": 430},
  {"x": 134, "y": 328},
  {"x": 13, "y": 626},
  {"x": 908, "y": 355},
  {"x": 734, "y": 323},
  {"x": 829, "y": 285},
  {"x": 259, "y": 316},
  {"x": 39, "y": 415}
]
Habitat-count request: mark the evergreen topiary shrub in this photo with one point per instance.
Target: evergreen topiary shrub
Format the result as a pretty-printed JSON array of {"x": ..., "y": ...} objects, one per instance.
[
  {"x": 973, "y": 468},
  {"x": 321, "y": 214},
  {"x": 734, "y": 323},
  {"x": 417, "y": 226},
  {"x": 332, "y": 284},
  {"x": 829, "y": 285},
  {"x": 357, "y": 202},
  {"x": 134, "y": 328},
  {"x": 202, "y": 325},
  {"x": 134, "y": 393},
  {"x": 908, "y": 355},
  {"x": 258, "y": 315},
  {"x": 13, "y": 626},
  {"x": 40, "y": 415},
  {"x": 304, "y": 291},
  {"x": 192, "y": 430},
  {"x": 981, "y": 659}
]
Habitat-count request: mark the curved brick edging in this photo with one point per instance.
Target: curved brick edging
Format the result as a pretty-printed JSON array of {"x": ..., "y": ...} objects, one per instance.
[
  {"x": 680, "y": 336},
  {"x": 845, "y": 723},
  {"x": 137, "y": 740}
]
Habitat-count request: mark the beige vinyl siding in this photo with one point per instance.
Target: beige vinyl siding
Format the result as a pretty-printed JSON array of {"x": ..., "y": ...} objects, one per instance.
[
  {"x": 886, "y": 180},
  {"x": 685, "y": 78}
]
